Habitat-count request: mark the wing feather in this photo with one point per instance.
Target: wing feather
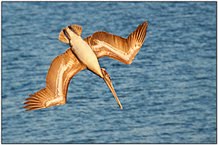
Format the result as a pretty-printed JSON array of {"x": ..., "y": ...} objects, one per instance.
[
  {"x": 116, "y": 47},
  {"x": 61, "y": 70}
]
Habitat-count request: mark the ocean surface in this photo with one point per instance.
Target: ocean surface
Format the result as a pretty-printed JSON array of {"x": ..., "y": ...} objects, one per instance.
[{"x": 168, "y": 93}]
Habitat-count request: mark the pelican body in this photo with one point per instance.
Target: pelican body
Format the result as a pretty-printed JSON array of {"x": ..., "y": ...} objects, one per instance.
[
  {"x": 82, "y": 54},
  {"x": 83, "y": 51}
]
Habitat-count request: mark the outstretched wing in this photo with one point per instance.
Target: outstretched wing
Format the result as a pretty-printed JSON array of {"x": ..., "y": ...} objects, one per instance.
[
  {"x": 62, "y": 69},
  {"x": 116, "y": 47}
]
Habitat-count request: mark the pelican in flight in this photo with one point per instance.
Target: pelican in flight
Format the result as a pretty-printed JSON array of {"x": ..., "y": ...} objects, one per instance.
[{"x": 84, "y": 54}]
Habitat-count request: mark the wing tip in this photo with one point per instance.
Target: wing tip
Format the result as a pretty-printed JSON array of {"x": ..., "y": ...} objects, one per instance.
[
  {"x": 139, "y": 34},
  {"x": 36, "y": 101},
  {"x": 145, "y": 23},
  {"x": 32, "y": 105}
]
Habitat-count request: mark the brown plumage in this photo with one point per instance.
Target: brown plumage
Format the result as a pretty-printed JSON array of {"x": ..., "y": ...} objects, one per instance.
[
  {"x": 66, "y": 65},
  {"x": 116, "y": 47},
  {"x": 62, "y": 69}
]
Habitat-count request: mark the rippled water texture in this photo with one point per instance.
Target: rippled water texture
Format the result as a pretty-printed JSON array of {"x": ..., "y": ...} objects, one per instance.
[{"x": 168, "y": 92}]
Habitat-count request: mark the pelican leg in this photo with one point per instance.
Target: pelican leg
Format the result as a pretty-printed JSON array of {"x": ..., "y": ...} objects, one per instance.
[{"x": 108, "y": 81}]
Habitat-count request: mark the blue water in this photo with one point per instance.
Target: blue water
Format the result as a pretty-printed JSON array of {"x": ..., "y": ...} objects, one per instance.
[{"x": 168, "y": 93}]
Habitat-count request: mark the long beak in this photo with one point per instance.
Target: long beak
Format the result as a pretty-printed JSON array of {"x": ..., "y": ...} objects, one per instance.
[{"x": 110, "y": 86}]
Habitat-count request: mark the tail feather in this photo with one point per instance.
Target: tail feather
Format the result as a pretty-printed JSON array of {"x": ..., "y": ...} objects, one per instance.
[{"x": 64, "y": 36}]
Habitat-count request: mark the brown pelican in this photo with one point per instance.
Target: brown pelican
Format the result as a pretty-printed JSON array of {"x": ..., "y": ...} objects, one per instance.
[{"x": 84, "y": 54}]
